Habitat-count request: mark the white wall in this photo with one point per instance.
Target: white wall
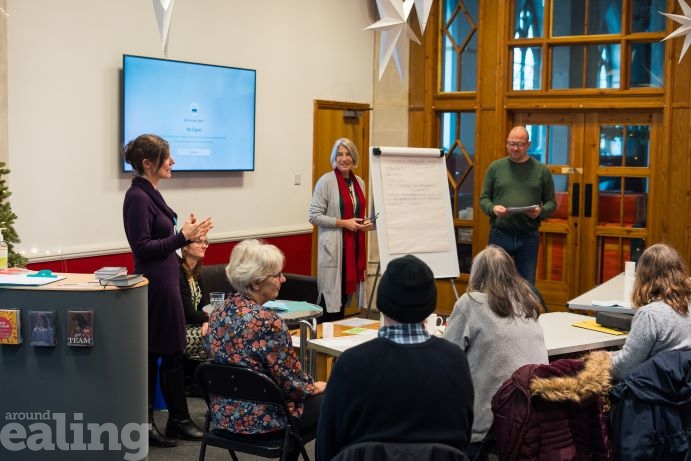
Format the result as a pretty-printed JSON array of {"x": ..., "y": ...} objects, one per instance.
[{"x": 64, "y": 60}]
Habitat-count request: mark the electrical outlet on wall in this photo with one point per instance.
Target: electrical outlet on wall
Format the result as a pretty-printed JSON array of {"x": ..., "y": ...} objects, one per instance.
[{"x": 297, "y": 179}]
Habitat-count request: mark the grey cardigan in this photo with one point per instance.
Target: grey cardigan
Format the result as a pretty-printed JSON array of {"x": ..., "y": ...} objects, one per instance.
[
  {"x": 655, "y": 328},
  {"x": 324, "y": 210}
]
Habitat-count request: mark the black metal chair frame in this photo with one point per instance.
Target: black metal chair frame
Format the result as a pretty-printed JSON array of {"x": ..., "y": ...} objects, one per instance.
[{"x": 242, "y": 383}]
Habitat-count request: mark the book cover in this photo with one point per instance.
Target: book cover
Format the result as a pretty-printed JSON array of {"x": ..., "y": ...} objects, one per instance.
[
  {"x": 80, "y": 328},
  {"x": 10, "y": 326},
  {"x": 109, "y": 271},
  {"x": 42, "y": 328},
  {"x": 122, "y": 280}
]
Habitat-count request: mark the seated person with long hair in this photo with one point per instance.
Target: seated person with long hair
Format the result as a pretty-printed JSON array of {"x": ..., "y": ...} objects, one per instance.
[
  {"x": 496, "y": 323},
  {"x": 661, "y": 295},
  {"x": 193, "y": 299}
]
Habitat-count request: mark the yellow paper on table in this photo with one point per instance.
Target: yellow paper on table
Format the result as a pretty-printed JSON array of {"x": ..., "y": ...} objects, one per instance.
[
  {"x": 356, "y": 330},
  {"x": 593, "y": 325}
]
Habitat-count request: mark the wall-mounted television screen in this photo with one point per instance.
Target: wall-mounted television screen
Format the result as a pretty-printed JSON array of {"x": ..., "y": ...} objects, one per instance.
[{"x": 205, "y": 112}]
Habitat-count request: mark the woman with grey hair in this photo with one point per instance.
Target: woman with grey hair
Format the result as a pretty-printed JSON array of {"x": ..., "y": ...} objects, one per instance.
[
  {"x": 496, "y": 323},
  {"x": 243, "y": 332},
  {"x": 338, "y": 209}
]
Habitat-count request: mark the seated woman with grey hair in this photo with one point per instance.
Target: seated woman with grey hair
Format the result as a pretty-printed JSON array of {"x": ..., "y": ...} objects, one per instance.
[{"x": 242, "y": 332}]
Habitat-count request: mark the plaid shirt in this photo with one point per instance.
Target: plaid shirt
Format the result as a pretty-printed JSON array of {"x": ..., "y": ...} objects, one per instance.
[{"x": 405, "y": 333}]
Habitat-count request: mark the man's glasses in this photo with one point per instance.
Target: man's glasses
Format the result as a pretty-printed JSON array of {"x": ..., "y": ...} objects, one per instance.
[{"x": 512, "y": 144}]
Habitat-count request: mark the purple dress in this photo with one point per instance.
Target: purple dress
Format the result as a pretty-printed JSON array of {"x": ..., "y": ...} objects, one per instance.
[{"x": 150, "y": 229}]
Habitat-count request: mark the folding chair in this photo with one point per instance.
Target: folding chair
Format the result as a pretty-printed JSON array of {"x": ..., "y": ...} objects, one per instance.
[{"x": 241, "y": 383}]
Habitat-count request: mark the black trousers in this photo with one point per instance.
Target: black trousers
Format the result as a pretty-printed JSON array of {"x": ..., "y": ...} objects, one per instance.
[{"x": 172, "y": 379}]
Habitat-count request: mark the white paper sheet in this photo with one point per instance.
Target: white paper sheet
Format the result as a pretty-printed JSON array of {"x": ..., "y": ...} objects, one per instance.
[
  {"x": 342, "y": 343},
  {"x": 26, "y": 280},
  {"x": 611, "y": 303},
  {"x": 413, "y": 205},
  {"x": 354, "y": 322}
]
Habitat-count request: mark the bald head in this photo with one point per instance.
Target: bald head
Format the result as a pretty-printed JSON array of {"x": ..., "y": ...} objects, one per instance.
[{"x": 517, "y": 144}]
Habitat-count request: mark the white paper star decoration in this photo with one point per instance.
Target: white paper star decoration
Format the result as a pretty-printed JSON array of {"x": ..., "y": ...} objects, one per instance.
[
  {"x": 423, "y": 7},
  {"x": 685, "y": 27},
  {"x": 163, "y": 10},
  {"x": 395, "y": 33}
]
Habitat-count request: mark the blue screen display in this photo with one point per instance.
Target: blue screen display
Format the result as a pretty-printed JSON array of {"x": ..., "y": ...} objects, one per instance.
[{"x": 205, "y": 112}]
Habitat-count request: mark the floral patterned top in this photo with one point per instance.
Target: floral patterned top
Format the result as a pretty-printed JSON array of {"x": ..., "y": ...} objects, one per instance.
[{"x": 242, "y": 332}]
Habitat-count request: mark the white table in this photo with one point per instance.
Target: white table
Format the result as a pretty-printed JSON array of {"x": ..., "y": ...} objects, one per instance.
[
  {"x": 338, "y": 344},
  {"x": 561, "y": 337},
  {"x": 612, "y": 289}
]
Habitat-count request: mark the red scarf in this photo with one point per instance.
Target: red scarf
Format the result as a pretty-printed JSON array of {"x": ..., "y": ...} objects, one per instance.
[{"x": 355, "y": 261}]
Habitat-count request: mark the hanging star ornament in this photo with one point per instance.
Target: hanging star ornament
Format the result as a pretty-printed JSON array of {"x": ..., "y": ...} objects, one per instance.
[
  {"x": 163, "y": 10},
  {"x": 422, "y": 8},
  {"x": 395, "y": 33},
  {"x": 685, "y": 27}
]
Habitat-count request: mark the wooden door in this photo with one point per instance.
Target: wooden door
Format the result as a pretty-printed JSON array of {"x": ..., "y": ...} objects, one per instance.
[
  {"x": 618, "y": 190},
  {"x": 601, "y": 164},
  {"x": 333, "y": 120}
]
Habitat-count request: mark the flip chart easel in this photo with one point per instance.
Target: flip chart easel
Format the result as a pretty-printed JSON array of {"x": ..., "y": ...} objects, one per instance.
[{"x": 411, "y": 195}]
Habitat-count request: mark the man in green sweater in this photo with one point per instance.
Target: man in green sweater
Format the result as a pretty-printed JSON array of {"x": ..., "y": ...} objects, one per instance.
[{"x": 517, "y": 194}]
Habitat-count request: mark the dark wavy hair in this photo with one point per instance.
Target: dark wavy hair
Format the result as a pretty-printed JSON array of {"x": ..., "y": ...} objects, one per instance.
[
  {"x": 196, "y": 272},
  {"x": 81, "y": 320},
  {"x": 662, "y": 275},
  {"x": 146, "y": 147},
  {"x": 509, "y": 295}
]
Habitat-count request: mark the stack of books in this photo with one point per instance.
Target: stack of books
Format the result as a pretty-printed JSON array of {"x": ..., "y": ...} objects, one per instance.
[
  {"x": 122, "y": 280},
  {"x": 110, "y": 271}
]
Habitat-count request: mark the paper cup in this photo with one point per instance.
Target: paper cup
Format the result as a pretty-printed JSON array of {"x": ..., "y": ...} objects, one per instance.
[
  {"x": 432, "y": 323},
  {"x": 327, "y": 330}
]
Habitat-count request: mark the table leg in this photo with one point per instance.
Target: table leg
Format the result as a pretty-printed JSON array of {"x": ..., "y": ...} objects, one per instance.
[{"x": 305, "y": 327}]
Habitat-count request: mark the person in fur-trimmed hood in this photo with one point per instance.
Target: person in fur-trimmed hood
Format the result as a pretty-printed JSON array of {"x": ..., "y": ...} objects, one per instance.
[{"x": 554, "y": 411}]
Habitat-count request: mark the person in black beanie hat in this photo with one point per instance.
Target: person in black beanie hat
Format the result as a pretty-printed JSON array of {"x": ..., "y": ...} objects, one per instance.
[
  {"x": 388, "y": 389},
  {"x": 407, "y": 293}
]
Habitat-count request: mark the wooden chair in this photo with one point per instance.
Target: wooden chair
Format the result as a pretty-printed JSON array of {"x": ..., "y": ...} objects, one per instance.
[{"x": 243, "y": 383}]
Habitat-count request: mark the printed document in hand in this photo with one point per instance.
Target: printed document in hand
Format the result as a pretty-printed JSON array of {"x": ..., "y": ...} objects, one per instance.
[{"x": 521, "y": 209}]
